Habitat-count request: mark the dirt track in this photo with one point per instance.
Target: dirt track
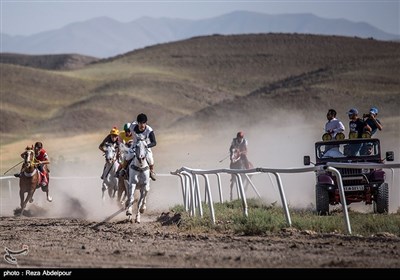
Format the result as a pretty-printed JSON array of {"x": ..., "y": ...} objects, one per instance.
[{"x": 158, "y": 243}]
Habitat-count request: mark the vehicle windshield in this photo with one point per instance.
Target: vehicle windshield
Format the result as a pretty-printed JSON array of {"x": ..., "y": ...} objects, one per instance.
[{"x": 340, "y": 150}]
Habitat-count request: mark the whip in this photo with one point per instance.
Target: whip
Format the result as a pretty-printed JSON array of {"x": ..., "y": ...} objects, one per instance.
[{"x": 14, "y": 166}]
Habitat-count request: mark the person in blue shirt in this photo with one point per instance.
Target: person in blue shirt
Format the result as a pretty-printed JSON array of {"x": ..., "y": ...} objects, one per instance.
[{"x": 372, "y": 124}]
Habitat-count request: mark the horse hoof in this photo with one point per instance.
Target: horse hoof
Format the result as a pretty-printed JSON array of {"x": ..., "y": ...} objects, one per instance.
[
  {"x": 49, "y": 199},
  {"x": 31, "y": 200},
  {"x": 130, "y": 219},
  {"x": 137, "y": 221}
]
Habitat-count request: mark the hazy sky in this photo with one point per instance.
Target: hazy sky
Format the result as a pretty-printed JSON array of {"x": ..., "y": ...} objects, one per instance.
[{"x": 33, "y": 16}]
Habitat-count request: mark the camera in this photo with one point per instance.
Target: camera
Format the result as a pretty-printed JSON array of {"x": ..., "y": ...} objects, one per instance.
[{"x": 366, "y": 115}]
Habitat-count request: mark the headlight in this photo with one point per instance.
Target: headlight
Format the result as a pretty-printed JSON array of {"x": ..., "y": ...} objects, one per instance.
[{"x": 364, "y": 171}]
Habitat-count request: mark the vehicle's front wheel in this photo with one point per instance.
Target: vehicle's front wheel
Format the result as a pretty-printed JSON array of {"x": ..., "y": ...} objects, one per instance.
[
  {"x": 382, "y": 199},
  {"x": 322, "y": 200}
]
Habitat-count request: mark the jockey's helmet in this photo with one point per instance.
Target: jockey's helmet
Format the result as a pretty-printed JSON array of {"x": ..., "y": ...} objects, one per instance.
[
  {"x": 240, "y": 134},
  {"x": 38, "y": 145},
  {"x": 141, "y": 118},
  {"x": 114, "y": 131},
  {"x": 127, "y": 126}
]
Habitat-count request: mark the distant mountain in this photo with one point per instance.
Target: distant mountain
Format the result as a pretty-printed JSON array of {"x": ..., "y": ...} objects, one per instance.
[
  {"x": 104, "y": 37},
  {"x": 48, "y": 62}
]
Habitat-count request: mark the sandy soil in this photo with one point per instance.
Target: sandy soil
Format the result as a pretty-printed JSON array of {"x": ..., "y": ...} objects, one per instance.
[{"x": 158, "y": 243}]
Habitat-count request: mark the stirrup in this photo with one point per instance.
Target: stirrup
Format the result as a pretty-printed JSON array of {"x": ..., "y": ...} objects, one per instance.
[{"x": 17, "y": 175}]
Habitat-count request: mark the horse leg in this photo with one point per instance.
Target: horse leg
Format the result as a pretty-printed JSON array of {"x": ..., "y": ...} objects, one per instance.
[
  {"x": 137, "y": 219},
  {"x": 46, "y": 190},
  {"x": 110, "y": 192},
  {"x": 23, "y": 202},
  {"x": 121, "y": 188},
  {"x": 129, "y": 201},
  {"x": 29, "y": 198},
  {"x": 142, "y": 205},
  {"x": 139, "y": 205},
  {"x": 103, "y": 190}
]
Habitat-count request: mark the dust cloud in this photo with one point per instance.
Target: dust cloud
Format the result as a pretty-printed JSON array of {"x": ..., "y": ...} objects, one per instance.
[{"x": 280, "y": 142}]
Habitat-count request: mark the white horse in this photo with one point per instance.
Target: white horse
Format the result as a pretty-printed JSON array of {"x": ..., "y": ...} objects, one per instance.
[
  {"x": 123, "y": 174},
  {"x": 110, "y": 181},
  {"x": 139, "y": 177}
]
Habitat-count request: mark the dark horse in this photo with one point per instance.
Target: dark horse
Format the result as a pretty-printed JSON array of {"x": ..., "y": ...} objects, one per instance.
[
  {"x": 237, "y": 162},
  {"x": 30, "y": 178}
]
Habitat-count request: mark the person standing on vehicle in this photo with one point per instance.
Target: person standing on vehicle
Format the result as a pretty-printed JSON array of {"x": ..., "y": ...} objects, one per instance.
[
  {"x": 356, "y": 124},
  {"x": 333, "y": 126},
  {"x": 141, "y": 128},
  {"x": 356, "y": 127},
  {"x": 372, "y": 124}
]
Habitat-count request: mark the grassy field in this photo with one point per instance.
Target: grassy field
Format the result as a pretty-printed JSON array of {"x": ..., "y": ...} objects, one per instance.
[{"x": 263, "y": 219}]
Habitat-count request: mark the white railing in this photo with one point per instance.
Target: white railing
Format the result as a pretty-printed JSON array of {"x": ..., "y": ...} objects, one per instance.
[{"x": 191, "y": 188}]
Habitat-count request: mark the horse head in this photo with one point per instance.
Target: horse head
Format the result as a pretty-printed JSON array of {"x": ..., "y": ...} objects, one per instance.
[
  {"x": 29, "y": 158},
  {"x": 141, "y": 151},
  {"x": 235, "y": 157},
  {"x": 110, "y": 153}
]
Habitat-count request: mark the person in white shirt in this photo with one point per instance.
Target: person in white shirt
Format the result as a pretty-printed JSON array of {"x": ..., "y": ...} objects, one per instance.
[{"x": 333, "y": 126}]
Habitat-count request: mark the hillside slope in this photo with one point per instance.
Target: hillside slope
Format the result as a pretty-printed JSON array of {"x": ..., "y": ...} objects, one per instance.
[{"x": 213, "y": 78}]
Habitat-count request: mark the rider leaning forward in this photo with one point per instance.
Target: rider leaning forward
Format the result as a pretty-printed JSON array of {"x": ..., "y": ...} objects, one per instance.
[
  {"x": 110, "y": 139},
  {"x": 42, "y": 159}
]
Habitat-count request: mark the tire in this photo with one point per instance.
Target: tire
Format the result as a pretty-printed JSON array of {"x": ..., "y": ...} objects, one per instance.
[
  {"x": 382, "y": 199},
  {"x": 322, "y": 200}
]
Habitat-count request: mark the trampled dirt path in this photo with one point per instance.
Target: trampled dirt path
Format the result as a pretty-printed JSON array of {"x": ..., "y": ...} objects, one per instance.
[{"x": 158, "y": 243}]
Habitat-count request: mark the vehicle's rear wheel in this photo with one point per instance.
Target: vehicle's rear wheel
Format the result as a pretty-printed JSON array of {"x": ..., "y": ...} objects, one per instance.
[
  {"x": 322, "y": 200},
  {"x": 382, "y": 199}
]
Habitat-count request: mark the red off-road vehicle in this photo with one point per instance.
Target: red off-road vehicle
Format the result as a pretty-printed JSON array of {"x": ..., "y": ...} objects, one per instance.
[{"x": 360, "y": 184}]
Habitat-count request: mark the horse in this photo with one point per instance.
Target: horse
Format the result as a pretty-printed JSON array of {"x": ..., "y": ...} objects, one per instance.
[
  {"x": 123, "y": 173},
  {"x": 110, "y": 181},
  {"x": 139, "y": 178},
  {"x": 237, "y": 162},
  {"x": 29, "y": 179}
]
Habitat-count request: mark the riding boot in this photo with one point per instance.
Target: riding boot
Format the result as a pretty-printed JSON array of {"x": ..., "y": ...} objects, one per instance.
[
  {"x": 152, "y": 173},
  {"x": 17, "y": 175},
  {"x": 44, "y": 180}
]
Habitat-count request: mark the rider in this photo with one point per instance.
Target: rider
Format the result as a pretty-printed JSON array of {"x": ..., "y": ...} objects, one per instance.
[
  {"x": 126, "y": 137},
  {"x": 110, "y": 139},
  {"x": 240, "y": 143},
  {"x": 42, "y": 159},
  {"x": 141, "y": 128}
]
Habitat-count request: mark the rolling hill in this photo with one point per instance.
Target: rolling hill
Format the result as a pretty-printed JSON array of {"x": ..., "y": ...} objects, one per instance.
[{"x": 207, "y": 85}]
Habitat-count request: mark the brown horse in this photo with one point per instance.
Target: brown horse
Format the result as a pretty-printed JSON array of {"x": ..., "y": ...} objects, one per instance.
[
  {"x": 29, "y": 179},
  {"x": 237, "y": 162}
]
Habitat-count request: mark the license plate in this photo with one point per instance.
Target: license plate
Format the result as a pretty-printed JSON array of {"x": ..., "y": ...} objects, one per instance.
[{"x": 353, "y": 188}]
